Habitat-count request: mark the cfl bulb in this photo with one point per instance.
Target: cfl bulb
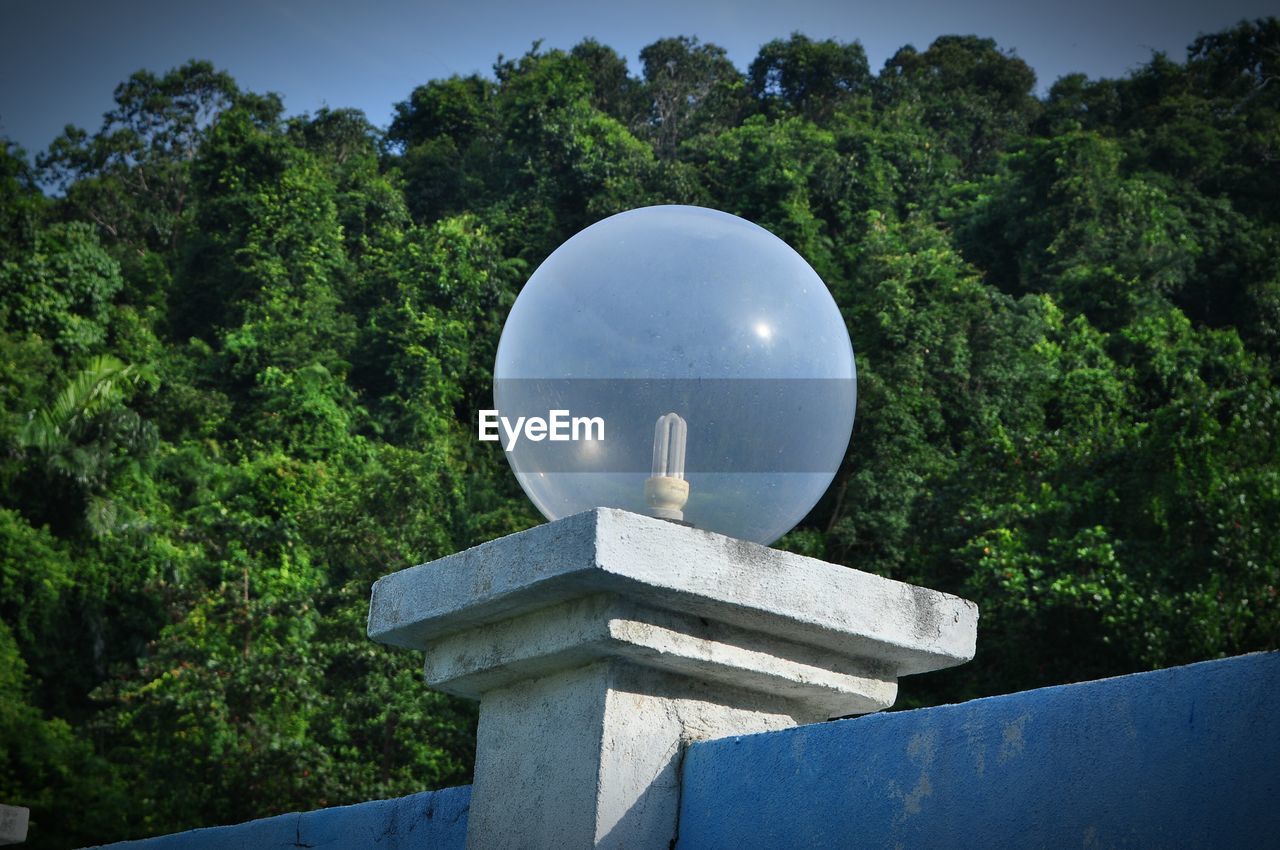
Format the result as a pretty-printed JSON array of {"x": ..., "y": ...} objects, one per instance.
[
  {"x": 666, "y": 491},
  {"x": 669, "y": 438}
]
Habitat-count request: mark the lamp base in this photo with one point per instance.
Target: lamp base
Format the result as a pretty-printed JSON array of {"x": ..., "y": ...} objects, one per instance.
[{"x": 600, "y": 644}]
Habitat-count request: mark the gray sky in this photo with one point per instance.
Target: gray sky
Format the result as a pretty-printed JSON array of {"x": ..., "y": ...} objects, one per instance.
[{"x": 60, "y": 61}]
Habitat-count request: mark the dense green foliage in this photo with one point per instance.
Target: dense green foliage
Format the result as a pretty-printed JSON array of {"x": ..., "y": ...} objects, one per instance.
[{"x": 241, "y": 356}]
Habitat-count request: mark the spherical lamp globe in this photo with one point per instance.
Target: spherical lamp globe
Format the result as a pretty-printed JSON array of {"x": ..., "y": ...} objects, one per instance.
[{"x": 679, "y": 362}]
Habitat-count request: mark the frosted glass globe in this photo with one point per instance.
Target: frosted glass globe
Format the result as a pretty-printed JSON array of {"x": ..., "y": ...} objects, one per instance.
[{"x": 687, "y": 311}]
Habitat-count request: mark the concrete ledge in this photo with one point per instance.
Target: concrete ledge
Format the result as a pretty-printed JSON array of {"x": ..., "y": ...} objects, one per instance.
[
  {"x": 573, "y": 634},
  {"x": 910, "y": 629}
]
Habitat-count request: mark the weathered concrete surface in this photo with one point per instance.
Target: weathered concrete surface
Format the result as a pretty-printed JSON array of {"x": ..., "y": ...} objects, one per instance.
[
  {"x": 685, "y": 570},
  {"x": 590, "y": 757},
  {"x": 601, "y": 644},
  {"x": 435, "y": 820},
  {"x": 820, "y": 683},
  {"x": 1187, "y": 757},
  {"x": 13, "y": 824}
]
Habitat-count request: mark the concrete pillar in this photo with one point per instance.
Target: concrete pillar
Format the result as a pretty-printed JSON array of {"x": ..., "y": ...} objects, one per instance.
[
  {"x": 600, "y": 644},
  {"x": 13, "y": 824}
]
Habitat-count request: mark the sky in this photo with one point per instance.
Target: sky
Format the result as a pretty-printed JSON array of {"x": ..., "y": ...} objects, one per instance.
[{"x": 60, "y": 60}]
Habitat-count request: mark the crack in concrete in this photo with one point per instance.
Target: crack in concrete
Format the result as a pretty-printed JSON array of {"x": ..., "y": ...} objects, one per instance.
[
  {"x": 297, "y": 835},
  {"x": 675, "y": 837}
]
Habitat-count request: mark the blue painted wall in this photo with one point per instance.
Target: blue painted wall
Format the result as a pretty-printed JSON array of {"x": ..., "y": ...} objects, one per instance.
[
  {"x": 435, "y": 820},
  {"x": 1187, "y": 757}
]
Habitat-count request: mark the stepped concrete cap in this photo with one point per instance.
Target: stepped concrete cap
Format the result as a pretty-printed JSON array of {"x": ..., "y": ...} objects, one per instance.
[
  {"x": 898, "y": 628},
  {"x": 599, "y": 645}
]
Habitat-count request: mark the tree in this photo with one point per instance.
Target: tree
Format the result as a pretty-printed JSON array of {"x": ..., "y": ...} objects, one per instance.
[
  {"x": 445, "y": 133},
  {"x": 1062, "y": 219},
  {"x": 130, "y": 178},
  {"x": 811, "y": 78},
  {"x": 61, "y": 289},
  {"x": 614, "y": 91},
  {"x": 768, "y": 172},
  {"x": 691, "y": 88},
  {"x": 974, "y": 97},
  {"x": 240, "y": 359},
  {"x": 21, "y": 203},
  {"x": 564, "y": 164}
]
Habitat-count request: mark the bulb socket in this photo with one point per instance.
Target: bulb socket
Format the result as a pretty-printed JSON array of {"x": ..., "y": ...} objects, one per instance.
[{"x": 666, "y": 496}]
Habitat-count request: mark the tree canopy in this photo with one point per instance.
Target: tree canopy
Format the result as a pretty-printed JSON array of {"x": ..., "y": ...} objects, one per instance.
[{"x": 242, "y": 354}]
